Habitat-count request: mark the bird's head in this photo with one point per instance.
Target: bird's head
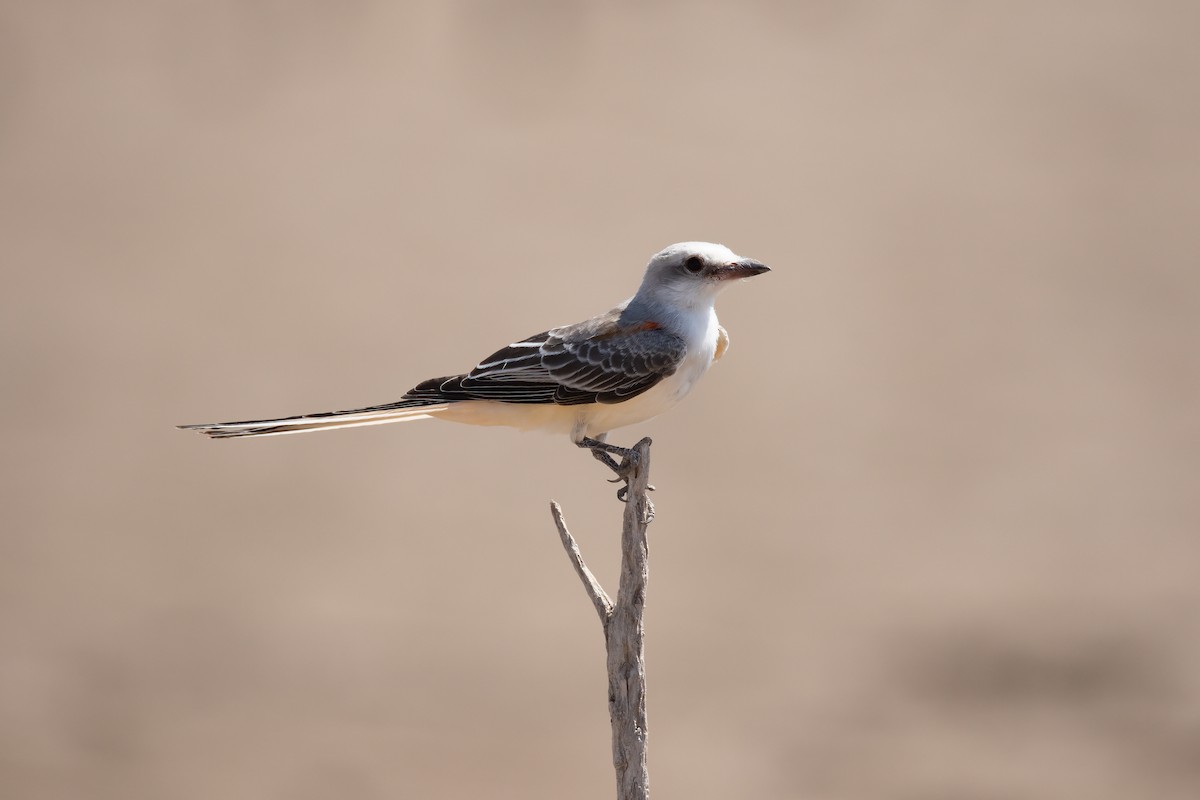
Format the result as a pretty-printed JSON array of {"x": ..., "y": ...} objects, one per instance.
[{"x": 692, "y": 273}]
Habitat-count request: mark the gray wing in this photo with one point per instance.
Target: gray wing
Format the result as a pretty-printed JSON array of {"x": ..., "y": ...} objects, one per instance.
[{"x": 598, "y": 361}]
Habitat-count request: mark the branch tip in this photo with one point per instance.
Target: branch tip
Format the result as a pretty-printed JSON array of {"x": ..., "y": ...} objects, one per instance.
[{"x": 595, "y": 592}]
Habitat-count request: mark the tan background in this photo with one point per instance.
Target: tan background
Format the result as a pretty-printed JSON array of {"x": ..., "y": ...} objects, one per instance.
[{"x": 930, "y": 532}]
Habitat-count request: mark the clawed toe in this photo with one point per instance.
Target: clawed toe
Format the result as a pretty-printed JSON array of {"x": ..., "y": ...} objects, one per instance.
[
  {"x": 649, "y": 487},
  {"x": 623, "y": 469}
]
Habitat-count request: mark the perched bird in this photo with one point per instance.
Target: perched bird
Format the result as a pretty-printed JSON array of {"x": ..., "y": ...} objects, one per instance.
[{"x": 621, "y": 367}]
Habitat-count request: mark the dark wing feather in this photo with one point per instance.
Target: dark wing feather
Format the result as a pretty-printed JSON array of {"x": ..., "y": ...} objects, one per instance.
[{"x": 598, "y": 361}]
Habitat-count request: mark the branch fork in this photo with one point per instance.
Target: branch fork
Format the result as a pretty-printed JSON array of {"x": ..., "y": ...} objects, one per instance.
[{"x": 624, "y": 633}]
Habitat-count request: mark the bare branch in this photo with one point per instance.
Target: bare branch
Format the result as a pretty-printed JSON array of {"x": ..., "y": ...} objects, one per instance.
[
  {"x": 624, "y": 633},
  {"x": 592, "y": 586},
  {"x": 626, "y": 638}
]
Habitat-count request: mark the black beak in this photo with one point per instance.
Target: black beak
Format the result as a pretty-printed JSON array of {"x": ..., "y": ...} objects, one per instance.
[{"x": 745, "y": 268}]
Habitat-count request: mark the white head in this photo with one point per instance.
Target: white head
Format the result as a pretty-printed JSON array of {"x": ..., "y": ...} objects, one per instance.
[{"x": 691, "y": 274}]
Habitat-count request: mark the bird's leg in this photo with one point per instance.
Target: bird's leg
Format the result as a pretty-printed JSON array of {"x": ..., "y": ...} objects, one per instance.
[{"x": 603, "y": 452}]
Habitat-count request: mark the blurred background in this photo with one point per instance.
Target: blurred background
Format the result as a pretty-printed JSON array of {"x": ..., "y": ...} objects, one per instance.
[{"x": 930, "y": 531}]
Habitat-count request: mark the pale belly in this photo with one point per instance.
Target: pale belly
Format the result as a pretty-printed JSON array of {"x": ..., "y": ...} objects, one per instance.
[{"x": 600, "y": 418}]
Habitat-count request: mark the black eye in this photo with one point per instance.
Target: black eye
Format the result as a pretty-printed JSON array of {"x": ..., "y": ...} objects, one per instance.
[{"x": 693, "y": 264}]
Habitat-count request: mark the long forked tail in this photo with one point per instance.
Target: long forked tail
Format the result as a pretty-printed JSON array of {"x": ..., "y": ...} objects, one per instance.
[{"x": 401, "y": 411}]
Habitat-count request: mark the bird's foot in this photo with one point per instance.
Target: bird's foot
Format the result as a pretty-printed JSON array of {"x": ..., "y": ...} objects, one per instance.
[
  {"x": 604, "y": 452},
  {"x": 624, "y": 490}
]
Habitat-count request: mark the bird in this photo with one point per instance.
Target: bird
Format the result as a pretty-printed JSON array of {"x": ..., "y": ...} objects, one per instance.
[{"x": 624, "y": 366}]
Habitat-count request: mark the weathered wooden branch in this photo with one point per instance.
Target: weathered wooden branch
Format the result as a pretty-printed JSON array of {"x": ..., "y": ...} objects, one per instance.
[{"x": 624, "y": 634}]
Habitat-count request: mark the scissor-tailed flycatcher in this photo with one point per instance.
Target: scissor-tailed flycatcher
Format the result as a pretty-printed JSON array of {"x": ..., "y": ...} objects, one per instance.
[{"x": 624, "y": 366}]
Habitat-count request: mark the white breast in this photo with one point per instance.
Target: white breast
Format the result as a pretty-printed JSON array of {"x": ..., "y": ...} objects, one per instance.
[{"x": 702, "y": 346}]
